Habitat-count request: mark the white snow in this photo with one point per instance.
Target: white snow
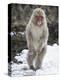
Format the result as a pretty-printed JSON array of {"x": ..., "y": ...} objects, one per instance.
[
  {"x": 49, "y": 66},
  {"x": 22, "y": 33},
  {"x": 13, "y": 33}
]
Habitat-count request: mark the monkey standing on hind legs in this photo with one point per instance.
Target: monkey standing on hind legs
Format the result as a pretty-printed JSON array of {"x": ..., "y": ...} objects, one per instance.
[{"x": 37, "y": 37}]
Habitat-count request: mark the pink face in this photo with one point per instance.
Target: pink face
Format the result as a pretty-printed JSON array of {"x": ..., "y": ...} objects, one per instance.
[{"x": 39, "y": 20}]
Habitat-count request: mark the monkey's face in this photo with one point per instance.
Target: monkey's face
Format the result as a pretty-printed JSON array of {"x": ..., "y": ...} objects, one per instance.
[
  {"x": 39, "y": 20},
  {"x": 38, "y": 17}
]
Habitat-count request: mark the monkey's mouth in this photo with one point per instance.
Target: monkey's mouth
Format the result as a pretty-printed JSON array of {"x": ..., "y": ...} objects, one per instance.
[{"x": 39, "y": 23}]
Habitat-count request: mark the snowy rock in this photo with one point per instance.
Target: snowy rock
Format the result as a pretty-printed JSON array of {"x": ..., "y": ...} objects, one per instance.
[
  {"x": 23, "y": 56},
  {"x": 22, "y": 33}
]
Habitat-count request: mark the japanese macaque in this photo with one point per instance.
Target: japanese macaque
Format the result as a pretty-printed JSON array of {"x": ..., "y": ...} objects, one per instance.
[{"x": 37, "y": 37}]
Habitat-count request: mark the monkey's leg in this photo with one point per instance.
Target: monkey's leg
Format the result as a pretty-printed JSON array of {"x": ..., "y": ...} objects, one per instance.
[
  {"x": 30, "y": 58},
  {"x": 39, "y": 58}
]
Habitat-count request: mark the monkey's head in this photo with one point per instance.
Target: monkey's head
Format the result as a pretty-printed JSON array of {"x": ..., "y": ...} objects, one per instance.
[{"x": 38, "y": 16}]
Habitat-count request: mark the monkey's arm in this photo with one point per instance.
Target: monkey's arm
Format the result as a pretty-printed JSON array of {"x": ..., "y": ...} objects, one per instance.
[
  {"x": 43, "y": 40},
  {"x": 29, "y": 39}
]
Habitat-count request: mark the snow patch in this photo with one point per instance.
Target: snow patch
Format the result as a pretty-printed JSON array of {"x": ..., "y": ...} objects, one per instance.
[{"x": 49, "y": 66}]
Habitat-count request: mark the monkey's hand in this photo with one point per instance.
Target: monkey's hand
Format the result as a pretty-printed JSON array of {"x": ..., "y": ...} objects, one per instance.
[
  {"x": 31, "y": 47},
  {"x": 29, "y": 39}
]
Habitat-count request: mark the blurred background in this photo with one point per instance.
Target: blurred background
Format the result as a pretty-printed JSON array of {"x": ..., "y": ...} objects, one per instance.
[{"x": 18, "y": 17}]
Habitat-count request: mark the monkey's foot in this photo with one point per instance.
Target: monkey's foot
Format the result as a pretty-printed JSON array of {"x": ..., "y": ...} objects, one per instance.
[
  {"x": 37, "y": 68},
  {"x": 32, "y": 67}
]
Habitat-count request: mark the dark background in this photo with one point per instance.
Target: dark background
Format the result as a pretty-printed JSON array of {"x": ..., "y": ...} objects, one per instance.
[{"x": 18, "y": 17}]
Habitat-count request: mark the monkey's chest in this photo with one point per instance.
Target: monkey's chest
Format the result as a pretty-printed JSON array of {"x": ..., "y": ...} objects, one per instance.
[{"x": 36, "y": 35}]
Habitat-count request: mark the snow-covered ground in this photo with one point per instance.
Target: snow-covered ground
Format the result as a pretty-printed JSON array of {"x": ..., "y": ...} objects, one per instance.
[{"x": 49, "y": 66}]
